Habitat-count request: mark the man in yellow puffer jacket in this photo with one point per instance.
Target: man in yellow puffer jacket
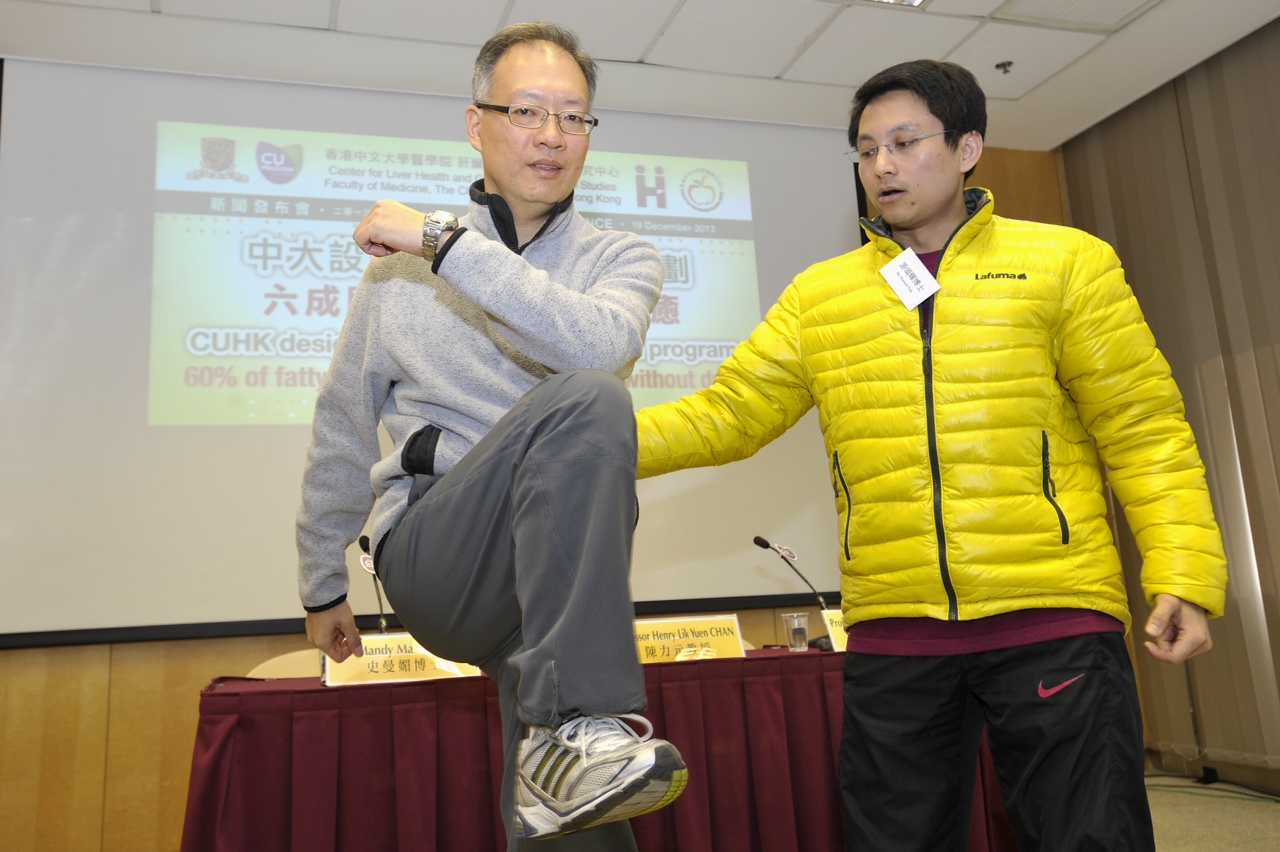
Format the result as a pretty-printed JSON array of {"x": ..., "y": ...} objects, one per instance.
[{"x": 980, "y": 584}]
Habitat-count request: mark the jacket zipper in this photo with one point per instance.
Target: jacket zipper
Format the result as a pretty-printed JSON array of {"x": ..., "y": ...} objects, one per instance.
[
  {"x": 935, "y": 465},
  {"x": 848, "y": 502},
  {"x": 1051, "y": 490}
]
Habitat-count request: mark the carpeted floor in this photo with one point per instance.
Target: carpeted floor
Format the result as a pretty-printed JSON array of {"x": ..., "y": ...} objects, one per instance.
[{"x": 1194, "y": 817}]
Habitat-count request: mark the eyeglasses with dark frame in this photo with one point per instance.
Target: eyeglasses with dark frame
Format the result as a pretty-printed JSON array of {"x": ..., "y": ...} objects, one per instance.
[
  {"x": 531, "y": 117},
  {"x": 856, "y": 155}
]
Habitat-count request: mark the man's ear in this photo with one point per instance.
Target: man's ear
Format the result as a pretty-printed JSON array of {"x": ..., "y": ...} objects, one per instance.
[
  {"x": 970, "y": 150},
  {"x": 472, "y": 118}
]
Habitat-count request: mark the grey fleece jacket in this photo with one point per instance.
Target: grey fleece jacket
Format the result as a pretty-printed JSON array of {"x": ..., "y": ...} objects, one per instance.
[{"x": 456, "y": 348}]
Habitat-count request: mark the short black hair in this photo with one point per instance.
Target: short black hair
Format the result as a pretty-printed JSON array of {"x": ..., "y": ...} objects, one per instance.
[{"x": 950, "y": 91}]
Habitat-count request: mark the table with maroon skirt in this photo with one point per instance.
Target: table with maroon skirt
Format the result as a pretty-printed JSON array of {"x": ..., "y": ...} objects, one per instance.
[{"x": 294, "y": 765}]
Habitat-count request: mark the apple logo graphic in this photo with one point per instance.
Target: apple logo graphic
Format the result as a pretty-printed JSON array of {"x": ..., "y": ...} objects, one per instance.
[{"x": 702, "y": 190}]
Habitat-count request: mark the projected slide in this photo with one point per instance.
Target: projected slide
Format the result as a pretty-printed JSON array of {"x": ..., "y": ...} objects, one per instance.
[{"x": 254, "y": 267}]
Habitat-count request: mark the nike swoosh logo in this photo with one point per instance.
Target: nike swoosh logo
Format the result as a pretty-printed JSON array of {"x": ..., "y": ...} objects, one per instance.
[{"x": 1049, "y": 693}]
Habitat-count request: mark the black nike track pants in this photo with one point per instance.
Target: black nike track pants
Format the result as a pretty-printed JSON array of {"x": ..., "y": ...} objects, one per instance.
[{"x": 1064, "y": 726}]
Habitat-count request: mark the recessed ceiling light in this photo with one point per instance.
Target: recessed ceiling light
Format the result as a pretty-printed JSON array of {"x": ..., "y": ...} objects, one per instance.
[{"x": 897, "y": 2}]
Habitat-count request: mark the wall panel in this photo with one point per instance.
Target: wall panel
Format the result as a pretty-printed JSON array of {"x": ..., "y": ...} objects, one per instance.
[{"x": 53, "y": 744}]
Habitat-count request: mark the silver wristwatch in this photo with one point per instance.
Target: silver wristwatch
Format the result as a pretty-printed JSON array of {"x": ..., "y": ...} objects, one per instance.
[{"x": 433, "y": 228}]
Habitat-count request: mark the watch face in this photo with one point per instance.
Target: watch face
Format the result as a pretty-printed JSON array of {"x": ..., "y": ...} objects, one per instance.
[{"x": 437, "y": 222}]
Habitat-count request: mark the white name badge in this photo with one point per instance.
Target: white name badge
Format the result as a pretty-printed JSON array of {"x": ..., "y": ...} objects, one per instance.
[{"x": 909, "y": 279}]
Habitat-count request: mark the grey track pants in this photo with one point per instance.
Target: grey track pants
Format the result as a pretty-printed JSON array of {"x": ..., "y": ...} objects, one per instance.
[{"x": 518, "y": 561}]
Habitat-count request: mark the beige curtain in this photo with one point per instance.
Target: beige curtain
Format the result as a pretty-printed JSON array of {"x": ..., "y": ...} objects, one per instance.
[{"x": 1186, "y": 184}]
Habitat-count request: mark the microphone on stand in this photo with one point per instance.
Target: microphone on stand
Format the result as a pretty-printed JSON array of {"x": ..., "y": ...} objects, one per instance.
[{"x": 789, "y": 557}]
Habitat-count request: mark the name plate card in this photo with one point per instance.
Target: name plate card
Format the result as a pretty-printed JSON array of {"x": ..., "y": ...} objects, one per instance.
[
  {"x": 388, "y": 658},
  {"x": 835, "y": 628},
  {"x": 700, "y": 637}
]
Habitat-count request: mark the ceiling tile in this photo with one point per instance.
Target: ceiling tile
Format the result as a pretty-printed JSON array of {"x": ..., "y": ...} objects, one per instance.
[
  {"x": 757, "y": 38},
  {"x": 977, "y": 8},
  {"x": 1036, "y": 54},
  {"x": 1104, "y": 15},
  {"x": 128, "y": 5},
  {"x": 459, "y": 23},
  {"x": 296, "y": 13},
  {"x": 622, "y": 35},
  {"x": 409, "y": 51},
  {"x": 863, "y": 41}
]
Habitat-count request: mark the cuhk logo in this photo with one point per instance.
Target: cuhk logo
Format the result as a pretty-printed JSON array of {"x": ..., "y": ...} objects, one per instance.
[
  {"x": 702, "y": 190},
  {"x": 279, "y": 165}
]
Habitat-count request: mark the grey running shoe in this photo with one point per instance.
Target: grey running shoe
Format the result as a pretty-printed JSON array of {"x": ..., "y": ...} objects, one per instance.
[{"x": 593, "y": 770}]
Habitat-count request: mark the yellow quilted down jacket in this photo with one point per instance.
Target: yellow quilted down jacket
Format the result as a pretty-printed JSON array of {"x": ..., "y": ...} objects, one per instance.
[{"x": 963, "y": 462}]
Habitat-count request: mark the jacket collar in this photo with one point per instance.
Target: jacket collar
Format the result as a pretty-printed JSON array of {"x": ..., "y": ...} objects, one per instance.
[
  {"x": 979, "y": 203},
  {"x": 504, "y": 223}
]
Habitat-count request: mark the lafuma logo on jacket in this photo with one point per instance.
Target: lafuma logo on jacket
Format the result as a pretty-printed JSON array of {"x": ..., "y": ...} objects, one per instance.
[{"x": 1013, "y": 276}]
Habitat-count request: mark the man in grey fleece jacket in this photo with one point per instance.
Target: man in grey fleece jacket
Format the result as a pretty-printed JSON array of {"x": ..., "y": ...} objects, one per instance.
[{"x": 491, "y": 350}]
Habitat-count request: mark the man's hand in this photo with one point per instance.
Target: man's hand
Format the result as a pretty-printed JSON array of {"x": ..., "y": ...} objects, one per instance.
[
  {"x": 1180, "y": 630},
  {"x": 334, "y": 632},
  {"x": 390, "y": 227}
]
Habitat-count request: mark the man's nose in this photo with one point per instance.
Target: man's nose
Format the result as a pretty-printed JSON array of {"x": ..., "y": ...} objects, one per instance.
[
  {"x": 882, "y": 161},
  {"x": 550, "y": 133}
]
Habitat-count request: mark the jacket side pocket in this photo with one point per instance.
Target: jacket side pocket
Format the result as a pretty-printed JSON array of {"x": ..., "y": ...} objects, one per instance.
[
  {"x": 841, "y": 487},
  {"x": 1051, "y": 490}
]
